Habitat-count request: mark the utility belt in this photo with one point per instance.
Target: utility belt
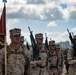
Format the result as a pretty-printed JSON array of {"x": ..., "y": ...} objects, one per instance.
[
  {"x": 53, "y": 67},
  {"x": 41, "y": 66}
]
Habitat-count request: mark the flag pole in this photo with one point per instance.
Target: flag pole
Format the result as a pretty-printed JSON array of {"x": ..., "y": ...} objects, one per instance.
[
  {"x": 5, "y": 56},
  {"x": 5, "y": 47}
]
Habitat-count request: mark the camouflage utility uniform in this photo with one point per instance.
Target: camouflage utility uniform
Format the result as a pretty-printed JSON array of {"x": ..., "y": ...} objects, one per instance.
[
  {"x": 17, "y": 60},
  {"x": 34, "y": 67},
  {"x": 53, "y": 59},
  {"x": 39, "y": 70}
]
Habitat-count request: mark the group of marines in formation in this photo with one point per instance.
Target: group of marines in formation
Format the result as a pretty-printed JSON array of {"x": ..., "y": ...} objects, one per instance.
[{"x": 20, "y": 60}]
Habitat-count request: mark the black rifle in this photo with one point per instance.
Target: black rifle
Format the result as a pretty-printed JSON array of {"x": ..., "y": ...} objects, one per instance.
[
  {"x": 71, "y": 37},
  {"x": 36, "y": 54},
  {"x": 73, "y": 43},
  {"x": 46, "y": 42},
  {"x": 47, "y": 48}
]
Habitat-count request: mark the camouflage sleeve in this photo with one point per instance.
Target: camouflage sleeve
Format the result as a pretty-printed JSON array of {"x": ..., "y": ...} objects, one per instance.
[
  {"x": 70, "y": 57},
  {"x": 60, "y": 63},
  {"x": 26, "y": 50},
  {"x": 1, "y": 61},
  {"x": 29, "y": 61},
  {"x": 32, "y": 63},
  {"x": 70, "y": 54},
  {"x": 29, "y": 64},
  {"x": 28, "y": 69}
]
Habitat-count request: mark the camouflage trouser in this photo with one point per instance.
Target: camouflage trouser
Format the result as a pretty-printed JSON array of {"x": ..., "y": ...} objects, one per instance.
[
  {"x": 53, "y": 71},
  {"x": 35, "y": 70},
  {"x": 60, "y": 70},
  {"x": 44, "y": 71},
  {"x": 39, "y": 71},
  {"x": 72, "y": 70}
]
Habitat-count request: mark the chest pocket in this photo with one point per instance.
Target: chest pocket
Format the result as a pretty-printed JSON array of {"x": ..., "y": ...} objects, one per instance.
[
  {"x": 54, "y": 59},
  {"x": 43, "y": 55},
  {"x": 15, "y": 52},
  {"x": 12, "y": 52}
]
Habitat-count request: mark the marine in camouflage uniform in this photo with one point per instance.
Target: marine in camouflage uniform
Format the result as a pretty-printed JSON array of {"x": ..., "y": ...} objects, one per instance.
[
  {"x": 23, "y": 45},
  {"x": 60, "y": 59},
  {"x": 38, "y": 67},
  {"x": 16, "y": 57},
  {"x": 72, "y": 60},
  {"x": 53, "y": 59},
  {"x": 66, "y": 60}
]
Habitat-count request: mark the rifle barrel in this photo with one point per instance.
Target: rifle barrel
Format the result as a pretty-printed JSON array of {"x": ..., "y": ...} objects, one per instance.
[
  {"x": 68, "y": 30},
  {"x": 29, "y": 29}
]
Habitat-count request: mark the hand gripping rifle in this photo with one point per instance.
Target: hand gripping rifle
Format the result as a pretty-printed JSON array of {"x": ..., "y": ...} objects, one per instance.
[{"x": 36, "y": 54}]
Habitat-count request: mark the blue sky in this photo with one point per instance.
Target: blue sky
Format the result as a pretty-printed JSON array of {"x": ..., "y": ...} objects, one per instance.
[
  {"x": 64, "y": 5},
  {"x": 50, "y": 16}
]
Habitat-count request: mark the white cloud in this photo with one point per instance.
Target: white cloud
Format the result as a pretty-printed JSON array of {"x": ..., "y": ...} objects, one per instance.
[
  {"x": 19, "y": 9},
  {"x": 73, "y": 30},
  {"x": 41, "y": 9},
  {"x": 52, "y": 24},
  {"x": 60, "y": 36},
  {"x": 57, "y": 36},
  {"x": 11, "y": 22},
  {"x": 72, "y": 13},
  {"x": 36, "y": 2},
  {"x": 26, "y": 36}
]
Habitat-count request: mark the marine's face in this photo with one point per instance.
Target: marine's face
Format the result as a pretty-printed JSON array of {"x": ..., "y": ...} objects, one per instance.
[
  {"x": 21, "y": 42},
  {"x": 15, "y": 38},
  {"x": 57, "y": 49},
  {"x": 52, "y": 47},
  {"x": 39, "y": 40}
]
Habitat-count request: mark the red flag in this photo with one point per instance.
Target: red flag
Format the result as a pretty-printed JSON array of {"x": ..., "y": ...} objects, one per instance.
[
  {"x": 0, "y": 26},
  {"x": 1, "y": 34},
  {"x": 3, "y": 22}
]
